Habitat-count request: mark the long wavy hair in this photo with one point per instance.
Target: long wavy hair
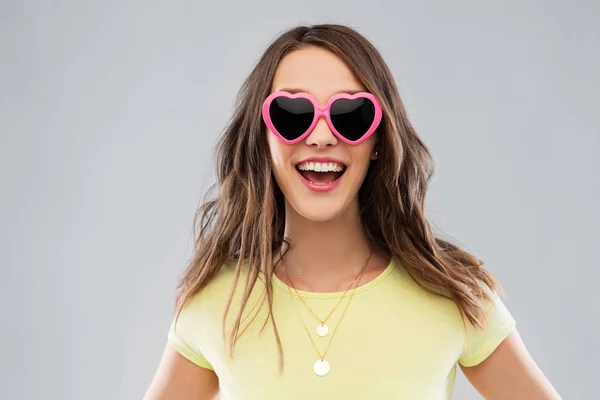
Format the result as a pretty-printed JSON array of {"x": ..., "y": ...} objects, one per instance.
[{"x": 242, "y": 217}]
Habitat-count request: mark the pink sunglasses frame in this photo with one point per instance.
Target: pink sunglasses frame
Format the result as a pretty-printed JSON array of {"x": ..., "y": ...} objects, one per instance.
[{"x": 320, "y": 113}]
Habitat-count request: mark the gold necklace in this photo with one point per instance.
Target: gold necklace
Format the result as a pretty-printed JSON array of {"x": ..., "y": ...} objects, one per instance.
[
  {"x": 323, "y": 329},
  {"x": 322, "y": 367}
]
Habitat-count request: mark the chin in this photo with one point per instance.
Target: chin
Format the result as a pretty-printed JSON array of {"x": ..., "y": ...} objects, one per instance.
[
  {"x": 318, "y": 212},
  {"x": 321, "y": 216}
]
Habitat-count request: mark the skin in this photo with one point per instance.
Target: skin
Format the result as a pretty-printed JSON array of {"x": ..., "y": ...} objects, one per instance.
[{"x": 317, "y": 263}]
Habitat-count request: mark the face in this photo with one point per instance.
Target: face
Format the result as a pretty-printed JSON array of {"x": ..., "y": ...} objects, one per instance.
[{"x": 321, "y": 174}]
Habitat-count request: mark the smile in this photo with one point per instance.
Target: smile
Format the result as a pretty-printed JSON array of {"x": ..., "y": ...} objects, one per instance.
[{"x": 321, "y": 176}]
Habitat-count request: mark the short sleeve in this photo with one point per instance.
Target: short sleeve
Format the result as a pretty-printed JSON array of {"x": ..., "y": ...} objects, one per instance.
[
  {"x": 185, "y": 334},
  {"x": 480, "y": 343}
]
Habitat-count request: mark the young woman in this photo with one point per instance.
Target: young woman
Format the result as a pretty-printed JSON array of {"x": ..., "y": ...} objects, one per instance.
[{"x": 316, "y": 274}]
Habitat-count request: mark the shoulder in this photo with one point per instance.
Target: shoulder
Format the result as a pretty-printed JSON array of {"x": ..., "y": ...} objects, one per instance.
[
  {"x": 217, "y": 286},
  {"x": 207, "y": 301},
  {"x": 228, "y": 282},
  {"x": 419, "y": 297},
  {"x": 228, "y": 277}
]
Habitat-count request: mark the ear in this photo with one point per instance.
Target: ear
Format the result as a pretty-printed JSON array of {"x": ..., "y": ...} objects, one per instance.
[
  {"x": 375, "y": 154},
  {"x": 375, "y": 151}
]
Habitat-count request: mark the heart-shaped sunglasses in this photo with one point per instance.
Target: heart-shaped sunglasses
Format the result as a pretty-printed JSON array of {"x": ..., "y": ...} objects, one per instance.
[{"x": 351, "y": 117}]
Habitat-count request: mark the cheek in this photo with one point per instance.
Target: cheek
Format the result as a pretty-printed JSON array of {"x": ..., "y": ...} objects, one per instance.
[
  {"x": 280, "y": 152},
  {"x": 361, "y": 159},
  {"x": 362, "y": 153}
]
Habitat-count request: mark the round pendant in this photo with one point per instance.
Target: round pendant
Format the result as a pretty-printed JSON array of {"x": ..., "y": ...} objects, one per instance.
[
  {"x": 322, "y": 330},
  {"x": 321, "y": 367}
]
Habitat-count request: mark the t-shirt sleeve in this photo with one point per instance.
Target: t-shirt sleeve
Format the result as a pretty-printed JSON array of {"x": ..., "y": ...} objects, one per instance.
[
  {"x": 480, "y": 343},
  {"x": 186, "y": 334}
]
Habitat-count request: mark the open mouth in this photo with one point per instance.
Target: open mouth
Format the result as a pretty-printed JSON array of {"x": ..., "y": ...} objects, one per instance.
[{"x": 321, "y": 173}]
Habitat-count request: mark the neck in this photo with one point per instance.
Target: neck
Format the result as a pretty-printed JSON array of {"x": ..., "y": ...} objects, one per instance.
[{"x": 326, "y": 251}]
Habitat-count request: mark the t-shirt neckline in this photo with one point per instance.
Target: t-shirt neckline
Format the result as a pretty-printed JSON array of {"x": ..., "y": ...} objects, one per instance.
[{"x": 330, "y": 295}]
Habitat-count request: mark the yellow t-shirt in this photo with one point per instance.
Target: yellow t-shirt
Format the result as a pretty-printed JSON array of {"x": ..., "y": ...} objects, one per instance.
[{"x": 396, "y": 341}]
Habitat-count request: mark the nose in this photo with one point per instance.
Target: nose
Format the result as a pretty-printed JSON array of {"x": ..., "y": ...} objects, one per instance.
[{"x": 321, "y": 135}]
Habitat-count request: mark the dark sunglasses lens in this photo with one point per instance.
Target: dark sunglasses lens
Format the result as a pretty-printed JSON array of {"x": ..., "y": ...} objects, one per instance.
[
  {"x": 352, "y": 118},
  {"x": 291, "y": 117}
]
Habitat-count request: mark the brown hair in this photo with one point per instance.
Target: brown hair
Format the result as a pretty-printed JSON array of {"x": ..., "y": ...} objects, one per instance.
[{"x": 243, "y": 221}]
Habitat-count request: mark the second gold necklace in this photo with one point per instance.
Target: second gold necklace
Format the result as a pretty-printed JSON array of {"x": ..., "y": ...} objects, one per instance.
[{"x": 321, "y": 367}]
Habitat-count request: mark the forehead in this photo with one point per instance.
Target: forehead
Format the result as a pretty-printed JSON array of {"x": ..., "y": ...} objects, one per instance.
[{"x": 316, "y": 71}]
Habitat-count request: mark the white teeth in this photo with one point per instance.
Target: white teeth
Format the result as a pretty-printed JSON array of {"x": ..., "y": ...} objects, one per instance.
[{"x": 321, "y": 167}]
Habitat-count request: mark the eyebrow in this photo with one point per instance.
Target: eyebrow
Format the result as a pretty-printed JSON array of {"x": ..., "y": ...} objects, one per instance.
[{"x": 298, "y": 90}]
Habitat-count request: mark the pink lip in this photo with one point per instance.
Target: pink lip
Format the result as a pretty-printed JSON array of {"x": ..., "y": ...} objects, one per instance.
[
  {"x": 321, "y": 187},
  {"x": 322, "y": 160}
]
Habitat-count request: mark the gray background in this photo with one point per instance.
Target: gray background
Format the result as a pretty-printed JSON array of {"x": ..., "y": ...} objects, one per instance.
[{"x": 109, "y": 111}]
